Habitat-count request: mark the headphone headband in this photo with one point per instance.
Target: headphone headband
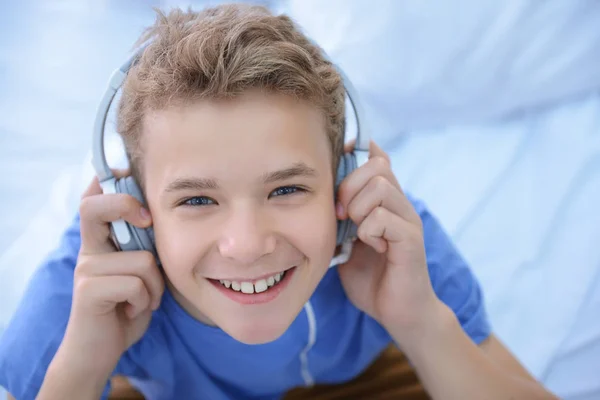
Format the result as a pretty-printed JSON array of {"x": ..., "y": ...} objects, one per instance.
[{"x": 103, "y": 171}]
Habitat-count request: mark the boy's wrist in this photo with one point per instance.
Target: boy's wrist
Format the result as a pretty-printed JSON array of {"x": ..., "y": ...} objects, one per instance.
[
  {"x": 74, "y": 377},
  {"x": 432, "y": 328}
]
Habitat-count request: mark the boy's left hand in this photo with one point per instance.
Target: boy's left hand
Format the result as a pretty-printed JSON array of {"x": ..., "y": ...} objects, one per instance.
[{"x": 387, "y": 275}]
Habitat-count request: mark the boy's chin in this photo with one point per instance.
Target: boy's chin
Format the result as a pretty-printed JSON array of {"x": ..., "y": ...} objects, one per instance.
[{"x": 255, "y": 332}]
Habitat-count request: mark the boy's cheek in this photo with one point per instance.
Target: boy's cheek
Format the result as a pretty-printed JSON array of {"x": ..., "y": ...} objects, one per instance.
[
  {"x": 312, "y": 232},
  {"x": 321, "y": 232},
  {"x": 183, "y": 248}
]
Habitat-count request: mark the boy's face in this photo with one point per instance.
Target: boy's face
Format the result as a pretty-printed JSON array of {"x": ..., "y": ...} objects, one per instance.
[{"x": 241, "y": 191}]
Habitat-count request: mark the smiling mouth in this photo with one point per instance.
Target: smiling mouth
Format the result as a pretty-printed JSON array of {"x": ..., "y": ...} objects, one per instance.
[
  {"x": 254, "y": 292},
  {"x": 258, "y": 286}
]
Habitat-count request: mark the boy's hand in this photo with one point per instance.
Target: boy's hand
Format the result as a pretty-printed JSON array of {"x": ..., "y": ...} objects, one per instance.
[
  {"x": 114, "y": 293},
  {"x": 387, "y": 275}
]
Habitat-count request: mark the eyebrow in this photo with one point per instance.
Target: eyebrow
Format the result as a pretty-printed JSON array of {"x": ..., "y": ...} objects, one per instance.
[
  {"x": 298, "y": 169},
  {"x": 191, "y": 184}
]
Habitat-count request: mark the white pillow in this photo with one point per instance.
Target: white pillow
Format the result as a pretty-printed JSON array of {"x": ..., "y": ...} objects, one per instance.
[{"x": 422, "y": 64}]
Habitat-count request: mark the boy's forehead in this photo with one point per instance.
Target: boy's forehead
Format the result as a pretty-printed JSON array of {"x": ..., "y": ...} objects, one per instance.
[
  {"x": 269, "y": 131},
  {"x": 245, "y": 117}
]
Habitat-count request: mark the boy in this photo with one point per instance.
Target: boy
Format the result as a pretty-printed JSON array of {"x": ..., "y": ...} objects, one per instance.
[{"x": 233, "y": 123}]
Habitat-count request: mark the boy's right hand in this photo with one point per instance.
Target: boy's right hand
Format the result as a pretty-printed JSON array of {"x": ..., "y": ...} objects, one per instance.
[{"x": 114, "y": 292}]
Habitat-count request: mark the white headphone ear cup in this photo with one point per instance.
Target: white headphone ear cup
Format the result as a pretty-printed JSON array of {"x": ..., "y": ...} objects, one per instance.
[
  {"x": 346, "y": 229},
  {"x": 143, "y": 237}
]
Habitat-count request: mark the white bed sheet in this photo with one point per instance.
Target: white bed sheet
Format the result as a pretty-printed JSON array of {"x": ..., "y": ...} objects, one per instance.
[{"x": 520, "y": 198}]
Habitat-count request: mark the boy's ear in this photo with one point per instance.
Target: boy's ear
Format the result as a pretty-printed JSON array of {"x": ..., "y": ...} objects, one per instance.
[
  {"x": 120, "y": 173},
  {"x": 349, "y": 146}
]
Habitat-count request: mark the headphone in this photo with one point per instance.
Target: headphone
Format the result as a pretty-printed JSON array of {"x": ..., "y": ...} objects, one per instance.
[{"x": 128, "y": 237}]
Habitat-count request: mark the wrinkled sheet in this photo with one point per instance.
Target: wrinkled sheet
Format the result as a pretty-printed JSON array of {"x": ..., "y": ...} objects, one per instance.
[{"x": 520, "y": 198}]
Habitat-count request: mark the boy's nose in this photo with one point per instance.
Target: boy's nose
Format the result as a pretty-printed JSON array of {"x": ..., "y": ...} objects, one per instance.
[{"x": 246, "y": 238}]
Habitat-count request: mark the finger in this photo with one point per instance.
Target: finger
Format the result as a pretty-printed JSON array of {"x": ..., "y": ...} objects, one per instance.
[
  {"x": 106, "y": 292},
  {"x": 98, "y": 211},
  {"x": 378, "y": 192},
  {"x": 358, "y": 179},
  {"x": 135, "y": 263},
  {"x": 383, "y": 230},
  {"x": 371, "y": 231},
  {"x": 374, "y": 150},
  {"x": 92, "y": 189}
]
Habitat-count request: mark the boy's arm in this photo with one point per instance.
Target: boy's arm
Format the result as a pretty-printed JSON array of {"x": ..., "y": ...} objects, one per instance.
[
  {"x": 452, "y": 366},
  {"x": 121, "y": 389},
  {"x": 496, "y": 350},
  {"x": 43, "y": 313},
  {"x": 406, "y": 273}
]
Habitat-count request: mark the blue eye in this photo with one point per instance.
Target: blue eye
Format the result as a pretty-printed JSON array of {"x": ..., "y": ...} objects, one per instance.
[
  {"x": 286, "y": 190},
  {"x": 198, "y": 201}
]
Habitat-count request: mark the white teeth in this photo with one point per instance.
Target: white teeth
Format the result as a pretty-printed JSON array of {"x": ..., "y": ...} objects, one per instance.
[
  {"x": 247, "y": 287},
  {"x": 260, "y": 286}
]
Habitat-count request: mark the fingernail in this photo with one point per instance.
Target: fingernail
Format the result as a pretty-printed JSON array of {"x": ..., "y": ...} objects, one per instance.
[
  {"x": 144, "y": 213},
  {"x": 339, "y": 209}
]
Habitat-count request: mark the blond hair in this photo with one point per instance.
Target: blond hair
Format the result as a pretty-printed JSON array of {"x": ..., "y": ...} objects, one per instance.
[{"x": 218, "y": 53}]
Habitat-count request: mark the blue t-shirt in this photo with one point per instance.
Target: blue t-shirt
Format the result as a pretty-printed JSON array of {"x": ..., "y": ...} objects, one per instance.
[{"x": 330, "y": 341}]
